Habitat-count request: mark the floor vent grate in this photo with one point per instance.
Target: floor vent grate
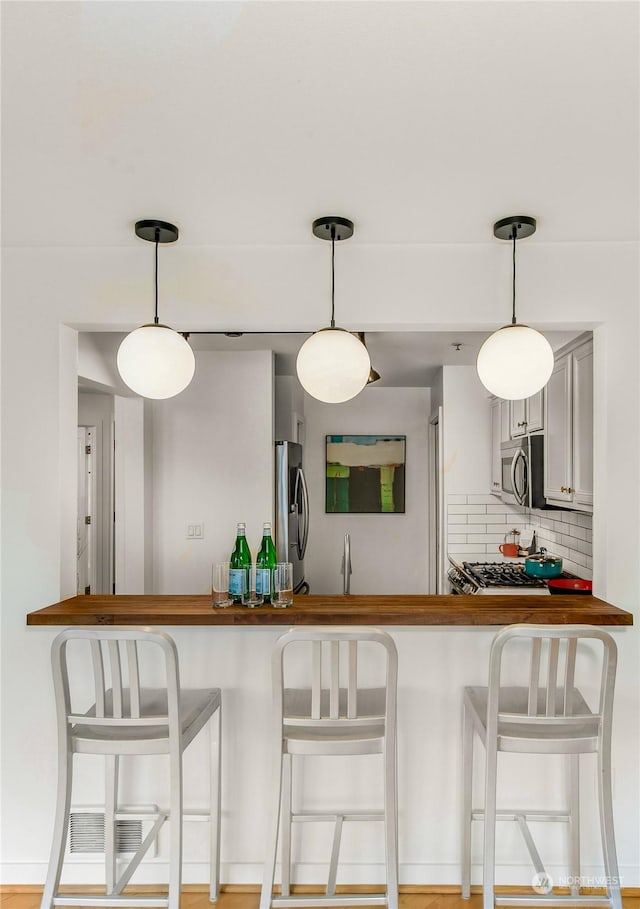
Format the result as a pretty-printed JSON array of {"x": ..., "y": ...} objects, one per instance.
[{"x": 86, "y": 831}]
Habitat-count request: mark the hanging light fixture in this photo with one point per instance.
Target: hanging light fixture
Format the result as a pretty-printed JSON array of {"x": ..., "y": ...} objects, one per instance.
[
  {"x": 154, "y": 360},
  {"x": 374, "y": 375},
  {"x": 516, "y": 361},
  {"x": 333, "y": 365}
]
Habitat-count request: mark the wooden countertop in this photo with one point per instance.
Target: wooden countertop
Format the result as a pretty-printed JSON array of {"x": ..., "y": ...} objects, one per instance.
[{"x": 334, "y": 610}]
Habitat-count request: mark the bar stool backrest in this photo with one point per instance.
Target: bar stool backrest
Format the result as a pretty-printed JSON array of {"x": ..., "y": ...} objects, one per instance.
[
  {"x": 551, "y": 673},
  {"x": 335, "y": 697},
  {"x": 116, "y": 681}
]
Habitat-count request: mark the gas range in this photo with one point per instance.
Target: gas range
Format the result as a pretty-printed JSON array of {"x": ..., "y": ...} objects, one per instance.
[{"x": 493, "y": 578}]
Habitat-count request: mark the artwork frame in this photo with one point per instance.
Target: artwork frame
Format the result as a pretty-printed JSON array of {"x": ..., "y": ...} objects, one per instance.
[{"x": 365, "y": 473}]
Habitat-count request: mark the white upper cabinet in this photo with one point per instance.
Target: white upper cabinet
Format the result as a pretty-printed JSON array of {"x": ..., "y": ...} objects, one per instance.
[
  {"x": 518, "y": 418},
  {"x": 557, "y": 437},
  {"x": 583, "y": 426},
  {"x": 568, "y": 420},
  {"x": 526, "y": 415},
  {"x": 505, "y": 424},
  {"x": 500, "y": 432},
  {"x": 496, "y": 438},
  {"x": 535, "y": 411}
]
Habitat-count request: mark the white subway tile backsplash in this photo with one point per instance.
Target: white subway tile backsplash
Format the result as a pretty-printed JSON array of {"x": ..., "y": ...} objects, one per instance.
[
  {"x": 485, "y": 519},
  {"x": 461, "y": 528},
  {"x": 478, "y": 524},
  {"x": 502, "y": 519},
  {"x": 579, "y": 532},
  {"x": 501, "y": 508},
  {"x": 489, "y": 538}
]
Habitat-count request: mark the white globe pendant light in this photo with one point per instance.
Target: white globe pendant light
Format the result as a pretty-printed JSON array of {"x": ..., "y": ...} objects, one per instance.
[
  {"x": 154, "y": 360},
  {"x": 516, "y": 361},
  {"x": 333, "y": 365}
]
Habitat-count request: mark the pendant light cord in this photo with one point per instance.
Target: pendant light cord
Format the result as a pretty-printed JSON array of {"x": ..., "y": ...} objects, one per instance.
[
  {"x": 513, "y": 315},
  {"x": 155, "y": 318},
  {"x": 333, "y": 275}
]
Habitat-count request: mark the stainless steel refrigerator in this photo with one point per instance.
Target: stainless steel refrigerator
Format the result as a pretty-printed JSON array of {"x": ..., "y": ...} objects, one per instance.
[{"x": 292, "y": 510}]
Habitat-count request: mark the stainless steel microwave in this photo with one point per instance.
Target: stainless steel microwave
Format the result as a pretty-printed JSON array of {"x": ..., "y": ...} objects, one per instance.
[{"x": 523, "y": 471}]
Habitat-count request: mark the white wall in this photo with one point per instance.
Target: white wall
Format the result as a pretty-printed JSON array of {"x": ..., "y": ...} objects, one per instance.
[
  {"x": 587, "y": 285},
  {"x": 466, "y": 433},
  {"x": 213, "y": 464},
  {"x": 289, "y": 409},
  {"x": 388, "y": 551}
]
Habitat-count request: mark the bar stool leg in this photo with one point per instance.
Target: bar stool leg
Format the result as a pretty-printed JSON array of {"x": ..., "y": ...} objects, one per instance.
[
  {"x": 467, "y": 796},
  {"x": 215, "y": 797},
  {"x": 272, "y": 844},
  {"x": 110, "y": 810},
  {"x": 574, "y": 822},
  {"x": 488, "y": 871},
  {"x": 285, "y": 822},
  {"x": 605, "y": 799},
  {"x": 175, "y": 822},
  {"x": 391, "y": 819},
  {"x": 60, "y": 827}
]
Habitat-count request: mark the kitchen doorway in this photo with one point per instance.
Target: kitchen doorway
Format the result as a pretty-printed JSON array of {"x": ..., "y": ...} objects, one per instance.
[{"x": 95, "y": 487}]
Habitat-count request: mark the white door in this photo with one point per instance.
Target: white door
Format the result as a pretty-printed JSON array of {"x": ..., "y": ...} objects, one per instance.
[
  {"x": 558, "y": 433},
  {"x": 86, "y": 526},
  {"x": 437, "y": 542}
]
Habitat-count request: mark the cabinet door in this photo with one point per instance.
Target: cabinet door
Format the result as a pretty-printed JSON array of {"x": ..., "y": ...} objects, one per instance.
[
  {"x": 558, "y": 432},
  {"x": 583, "y": 425},
  {"x": 496, "y": 436},
  {"x": 505, "y": 425},
  {"x": 518, "y": 418},
  {"x": 535, "y": 410}
]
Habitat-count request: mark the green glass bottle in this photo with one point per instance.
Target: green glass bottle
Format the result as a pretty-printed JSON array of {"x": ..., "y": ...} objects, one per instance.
[
  {"x": 239, "y": 565},
  {"x": 265, "y": 563}
]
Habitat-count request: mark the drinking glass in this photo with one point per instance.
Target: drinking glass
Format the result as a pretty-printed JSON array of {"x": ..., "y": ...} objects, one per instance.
[
  {"x": 282, "y": 585},
  {"x": 250, "y": 597},
  {"x": 220, "y": 585}
]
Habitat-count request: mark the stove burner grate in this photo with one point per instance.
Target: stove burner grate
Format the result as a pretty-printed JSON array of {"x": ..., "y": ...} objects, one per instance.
[{"x": 500, "y": 574}]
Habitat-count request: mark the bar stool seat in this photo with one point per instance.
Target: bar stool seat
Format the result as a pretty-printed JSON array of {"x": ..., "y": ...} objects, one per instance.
[
  {"x": 518, "y": 737},
  {"x": 549, "y": 715},
  {"x": 126, "y": 718},
  {"x": 334, "y": 716}
]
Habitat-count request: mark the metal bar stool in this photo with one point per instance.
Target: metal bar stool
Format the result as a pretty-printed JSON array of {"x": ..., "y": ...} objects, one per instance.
[
  {"x": 127, "y": 719},
  {"x": 327, "y": 719},
  {"x": 548, "y": 717}
]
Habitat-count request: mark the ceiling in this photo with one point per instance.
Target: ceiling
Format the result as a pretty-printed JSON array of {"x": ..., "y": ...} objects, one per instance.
[{"x": 241, "y": 122}]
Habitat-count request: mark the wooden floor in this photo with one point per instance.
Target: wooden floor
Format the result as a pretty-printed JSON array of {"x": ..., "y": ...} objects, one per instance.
[{"x": 249, "y": 898}]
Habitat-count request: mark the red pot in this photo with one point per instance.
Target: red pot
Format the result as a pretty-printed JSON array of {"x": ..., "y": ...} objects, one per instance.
[{"x": 570, "y": 585}]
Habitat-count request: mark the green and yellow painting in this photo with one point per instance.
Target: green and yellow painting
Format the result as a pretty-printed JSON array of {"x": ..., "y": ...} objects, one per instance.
[{"x": 365, "y": 474}]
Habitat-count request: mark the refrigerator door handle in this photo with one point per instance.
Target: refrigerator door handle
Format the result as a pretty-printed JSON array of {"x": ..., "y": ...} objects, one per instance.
[{"x": 301, "y": 485}]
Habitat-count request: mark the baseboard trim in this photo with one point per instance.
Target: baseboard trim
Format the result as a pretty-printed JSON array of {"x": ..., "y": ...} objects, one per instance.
[{"x": 442, "y": 889}]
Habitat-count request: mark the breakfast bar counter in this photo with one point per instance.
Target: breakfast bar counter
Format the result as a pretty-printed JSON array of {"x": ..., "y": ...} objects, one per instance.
[{"x": 123, "y": 609}]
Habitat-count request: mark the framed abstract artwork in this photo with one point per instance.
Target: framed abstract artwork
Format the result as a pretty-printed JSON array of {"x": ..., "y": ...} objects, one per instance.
[{"x": 365, "y": 474}]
